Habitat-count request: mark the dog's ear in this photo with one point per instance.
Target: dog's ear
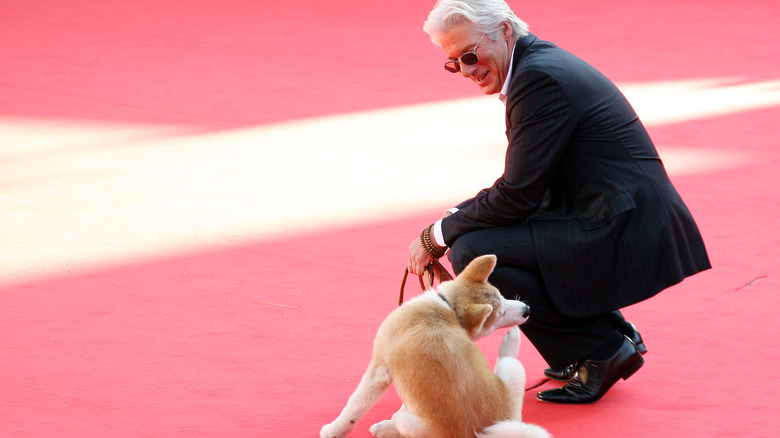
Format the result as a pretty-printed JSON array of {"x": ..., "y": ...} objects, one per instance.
[
  {"x": 479, "y": 269},
  {"x": 475, "y": 317}
]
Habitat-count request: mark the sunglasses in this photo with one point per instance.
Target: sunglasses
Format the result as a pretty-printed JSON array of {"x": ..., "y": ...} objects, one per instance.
[{"x": 468, "y": 58}]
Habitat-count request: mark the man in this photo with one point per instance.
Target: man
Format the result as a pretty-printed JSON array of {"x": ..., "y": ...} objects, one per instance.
[{"x": 584, "y": 219}]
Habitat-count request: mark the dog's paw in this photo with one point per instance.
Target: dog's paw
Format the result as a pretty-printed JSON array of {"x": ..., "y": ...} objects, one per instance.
[
  {"x": 385, "y": 429},
  {"x": 510, "y": 345},
  {"x": 331, "y": 431}
]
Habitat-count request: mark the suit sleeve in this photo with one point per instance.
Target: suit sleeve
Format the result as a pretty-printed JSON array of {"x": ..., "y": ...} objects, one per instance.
[{"x": 541, "y": 120}]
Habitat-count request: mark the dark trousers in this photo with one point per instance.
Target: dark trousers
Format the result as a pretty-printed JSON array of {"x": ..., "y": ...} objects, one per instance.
[{"x": 560, "y": 339}]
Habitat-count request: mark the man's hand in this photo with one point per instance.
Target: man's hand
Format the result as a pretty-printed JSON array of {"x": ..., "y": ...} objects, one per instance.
[{"x": 418, "y": 258}]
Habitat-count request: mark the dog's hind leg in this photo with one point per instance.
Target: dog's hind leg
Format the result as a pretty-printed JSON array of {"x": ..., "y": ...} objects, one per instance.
[
  {"x": 514, "y": 429},
  {"x": 403, "y": 425},
  {"x": 385, "y": 429},
  {"x": 510, "y": 370},
  {"x": 373, "y": 384}
]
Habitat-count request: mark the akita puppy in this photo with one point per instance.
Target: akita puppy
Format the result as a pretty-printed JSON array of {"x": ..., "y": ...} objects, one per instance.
[{"x": 426, "y": 347}]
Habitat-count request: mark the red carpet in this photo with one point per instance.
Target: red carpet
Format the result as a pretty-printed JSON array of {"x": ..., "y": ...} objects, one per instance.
[{"x": 268, "y": 336}]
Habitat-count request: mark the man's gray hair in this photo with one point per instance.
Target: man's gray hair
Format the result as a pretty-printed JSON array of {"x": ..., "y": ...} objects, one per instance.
[{"x": 485, "y": 15}]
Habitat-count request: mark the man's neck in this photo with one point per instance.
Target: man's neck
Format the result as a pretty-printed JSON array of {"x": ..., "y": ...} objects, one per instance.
[{"x": 507, "y": 79}]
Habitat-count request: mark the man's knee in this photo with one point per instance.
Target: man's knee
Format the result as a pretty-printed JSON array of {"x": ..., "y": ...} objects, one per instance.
[{"x": 461, "y": 254}]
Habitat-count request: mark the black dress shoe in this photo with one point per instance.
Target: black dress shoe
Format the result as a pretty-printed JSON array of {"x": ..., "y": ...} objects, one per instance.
[
  {"x": 628, "y": 330},
  {"x": 594, "y": 378},
  {"x": 563, "y": 375}
]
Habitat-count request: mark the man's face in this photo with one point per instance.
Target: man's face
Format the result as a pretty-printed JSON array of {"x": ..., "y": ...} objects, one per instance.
[{"x": 489, "y": 73}]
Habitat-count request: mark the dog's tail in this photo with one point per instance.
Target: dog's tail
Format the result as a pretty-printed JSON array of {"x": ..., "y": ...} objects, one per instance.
[{"x": 514, "y": 429}]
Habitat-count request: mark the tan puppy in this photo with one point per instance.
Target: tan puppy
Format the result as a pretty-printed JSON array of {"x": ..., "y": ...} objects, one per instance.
[{"x": 426, "y": 347}]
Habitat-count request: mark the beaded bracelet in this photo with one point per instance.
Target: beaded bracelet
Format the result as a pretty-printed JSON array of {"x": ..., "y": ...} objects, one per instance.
[{"x": 428, "y": 245}]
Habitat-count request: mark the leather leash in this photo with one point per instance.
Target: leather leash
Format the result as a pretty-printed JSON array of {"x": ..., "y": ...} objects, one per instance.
[{"x": 433, "y": 271}]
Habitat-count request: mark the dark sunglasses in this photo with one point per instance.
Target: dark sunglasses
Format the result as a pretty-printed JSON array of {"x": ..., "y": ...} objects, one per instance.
[{"x": 468, "y": 58}]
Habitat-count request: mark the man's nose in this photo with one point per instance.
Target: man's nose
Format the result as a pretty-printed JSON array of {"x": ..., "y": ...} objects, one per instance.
[{"x": 467, "y": 70}]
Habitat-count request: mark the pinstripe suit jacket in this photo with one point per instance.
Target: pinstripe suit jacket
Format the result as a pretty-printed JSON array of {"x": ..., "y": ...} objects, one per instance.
[{"x": 608, "y": 227}]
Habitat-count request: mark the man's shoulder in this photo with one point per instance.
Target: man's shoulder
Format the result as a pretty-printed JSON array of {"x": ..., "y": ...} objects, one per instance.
[
  {"x": 541, "y": 53},
  {"x": 545, "y": 59}
]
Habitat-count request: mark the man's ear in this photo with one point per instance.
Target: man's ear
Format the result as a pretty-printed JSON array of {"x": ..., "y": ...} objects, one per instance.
[{"x": 506, "y": 31}]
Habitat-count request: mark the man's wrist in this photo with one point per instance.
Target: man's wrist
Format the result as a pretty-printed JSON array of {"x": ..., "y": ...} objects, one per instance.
[{"x": 433, "y": 249}]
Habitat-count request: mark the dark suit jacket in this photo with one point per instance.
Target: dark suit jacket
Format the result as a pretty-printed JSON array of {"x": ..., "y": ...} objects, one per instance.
[{"x": 609, "y": 228}]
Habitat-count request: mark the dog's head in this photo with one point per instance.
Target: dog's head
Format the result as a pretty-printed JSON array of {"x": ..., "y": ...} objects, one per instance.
[{"x": 479, "y": 306}]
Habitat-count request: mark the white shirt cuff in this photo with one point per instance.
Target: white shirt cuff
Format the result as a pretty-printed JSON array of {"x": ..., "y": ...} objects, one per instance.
[{"x": 438, "y": 235}]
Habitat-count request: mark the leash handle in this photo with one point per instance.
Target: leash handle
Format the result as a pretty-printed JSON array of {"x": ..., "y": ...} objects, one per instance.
[{"x": 433, "y": 271}]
